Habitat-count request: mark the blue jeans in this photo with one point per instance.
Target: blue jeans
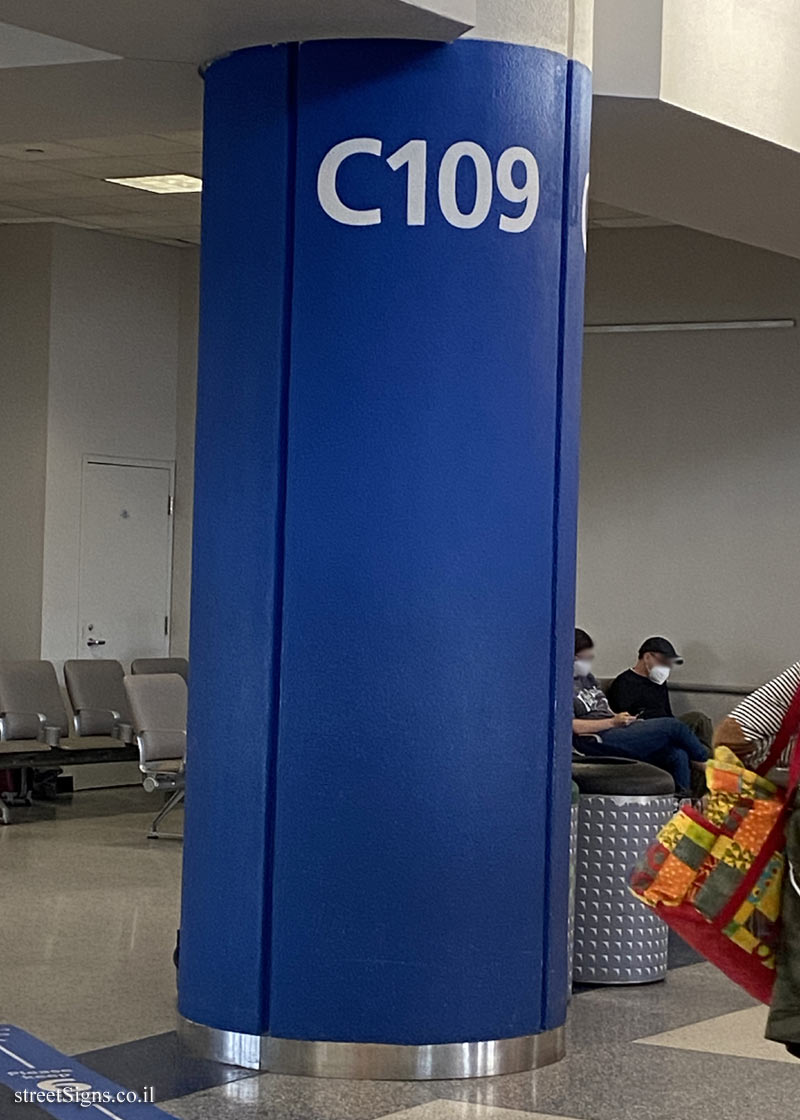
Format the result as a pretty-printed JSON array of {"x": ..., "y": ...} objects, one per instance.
[{"x": 666, "y": 743}]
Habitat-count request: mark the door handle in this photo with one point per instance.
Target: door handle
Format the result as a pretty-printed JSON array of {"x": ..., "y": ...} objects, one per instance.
[{"x": 96, "y": 642}]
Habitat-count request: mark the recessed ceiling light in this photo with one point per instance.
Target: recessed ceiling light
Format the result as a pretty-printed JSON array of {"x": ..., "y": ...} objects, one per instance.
[{"x": 162, "y": 184}]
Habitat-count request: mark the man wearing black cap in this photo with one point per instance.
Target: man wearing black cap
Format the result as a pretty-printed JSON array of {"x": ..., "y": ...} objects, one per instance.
[
  {"x": 643, "y": 690},
  {"x": 597, "y": 730}
]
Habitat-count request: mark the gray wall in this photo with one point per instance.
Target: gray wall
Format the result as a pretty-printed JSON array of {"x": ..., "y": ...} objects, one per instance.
[
  {"x": 690, "y": 476},
  {"x": 99, "y": 345},
  {"x": 114, "y": 344},
  {"x": 25, "y": 338}
]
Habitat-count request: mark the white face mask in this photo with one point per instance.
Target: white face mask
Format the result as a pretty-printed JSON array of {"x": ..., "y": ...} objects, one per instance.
[
  {"x": 659, "y": 674},
  {"x": 581, "y": 667}
]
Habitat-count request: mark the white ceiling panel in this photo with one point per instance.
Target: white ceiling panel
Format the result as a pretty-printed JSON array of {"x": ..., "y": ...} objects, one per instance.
[
  {"x": 196, "y": 30},
  {"x": 39, "y": 151},
  {"x": 105, "y": 99},
  {"x": 21, "y": 47},
  {"x": 7, "y": 212},
  {"x": 189, "y": 138},
  {"x": 71, "y": 207},
  {"x": 14, "y": 171},
  {"x": 117, "y": 167},
  {"x": 138, "y": 144},
  {"x": 66, "y": 181}
]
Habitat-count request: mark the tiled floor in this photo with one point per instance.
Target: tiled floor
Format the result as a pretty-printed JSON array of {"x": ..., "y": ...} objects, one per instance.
[
  {"x": 740, "y": 1035},
  {"x": 88, "y": 947},
  {"x": 95, "y": 910},
  {"x": 460, "y": 1110},
  {"x": 704, "y": 1047}
]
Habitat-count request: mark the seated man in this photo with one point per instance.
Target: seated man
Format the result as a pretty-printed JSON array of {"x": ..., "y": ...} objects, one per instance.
[
  {"x": 643, "y": 690},
  {"x": 597, "y": 730}
]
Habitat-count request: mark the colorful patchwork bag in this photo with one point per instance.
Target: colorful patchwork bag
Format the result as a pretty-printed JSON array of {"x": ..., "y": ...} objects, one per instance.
[{"x": 715, "y": 877}]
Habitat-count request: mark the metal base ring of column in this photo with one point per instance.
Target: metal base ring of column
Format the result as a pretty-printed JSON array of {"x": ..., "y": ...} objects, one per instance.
[{"x": 369, "y": 1061}]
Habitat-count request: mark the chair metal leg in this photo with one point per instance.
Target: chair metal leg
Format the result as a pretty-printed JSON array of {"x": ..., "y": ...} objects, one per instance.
[
  {"x": 22, "y": 798},
  {"x": 173, "y": 803}
]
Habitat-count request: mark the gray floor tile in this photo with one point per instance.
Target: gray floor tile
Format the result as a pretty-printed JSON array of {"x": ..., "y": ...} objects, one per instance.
[
  {"x": 161, "y": 1063},
  {"x": 96, "y": 906},
  {"x": 301, "y": 1098},
  {"x": 623, "y": 1083},
  {"x": 622, "y": 1014},
  {"x": 464, "y": 1110},
  {"x": 740, "y": 1035}
]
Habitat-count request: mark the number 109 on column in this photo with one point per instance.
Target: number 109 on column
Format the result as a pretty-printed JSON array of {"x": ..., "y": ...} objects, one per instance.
[{"x": 515, "y": 177}]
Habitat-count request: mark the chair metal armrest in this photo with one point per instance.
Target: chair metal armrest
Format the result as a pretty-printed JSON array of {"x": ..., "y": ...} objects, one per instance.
[
  {"x": 146, "y": 763},
  {"x": 85, "y": 715},
  {"x": 578, "y": 754},
  {"x": 46, "y": 732}
]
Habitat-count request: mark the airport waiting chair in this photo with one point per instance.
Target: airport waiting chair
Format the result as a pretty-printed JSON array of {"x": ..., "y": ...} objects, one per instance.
[
  {"x": 96, "y": 692},
  {"x": 33, "y": 720},
  {"x": 35, "y": 735},
  {"x": 32, "y": 709},
  {"x": 158, "y": 703},
  {"x": 152, "y": 665},
  {"x": 31, "y": 705}
]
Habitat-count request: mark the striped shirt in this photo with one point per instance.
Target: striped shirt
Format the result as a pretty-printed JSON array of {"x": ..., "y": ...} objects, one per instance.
[{"x": 760, "y": 715}]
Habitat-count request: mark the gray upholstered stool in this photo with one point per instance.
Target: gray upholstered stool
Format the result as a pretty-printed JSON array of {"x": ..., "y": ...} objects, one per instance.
[{"x": 623, "y": 804}]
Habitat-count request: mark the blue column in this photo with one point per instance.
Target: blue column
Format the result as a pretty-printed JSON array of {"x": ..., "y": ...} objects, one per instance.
[{"x": 378, "y": 781}]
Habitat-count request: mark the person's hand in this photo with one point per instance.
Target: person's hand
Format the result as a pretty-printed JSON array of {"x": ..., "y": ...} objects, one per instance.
[{"x": 624, "y": 719}]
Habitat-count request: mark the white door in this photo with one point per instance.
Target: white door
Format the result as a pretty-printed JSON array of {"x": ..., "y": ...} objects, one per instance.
[{"x": 126, "y": 560}]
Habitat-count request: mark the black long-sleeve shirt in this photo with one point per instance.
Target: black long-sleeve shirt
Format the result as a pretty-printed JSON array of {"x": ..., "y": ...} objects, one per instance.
[{"x": 640, "y": 696}]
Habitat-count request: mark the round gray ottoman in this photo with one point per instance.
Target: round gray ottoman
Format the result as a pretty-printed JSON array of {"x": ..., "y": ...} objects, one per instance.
[{"x": 623, "y": 804}]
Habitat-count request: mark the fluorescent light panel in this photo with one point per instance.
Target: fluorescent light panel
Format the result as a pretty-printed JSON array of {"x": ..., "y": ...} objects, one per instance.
[{"x": 162, "y": 184}]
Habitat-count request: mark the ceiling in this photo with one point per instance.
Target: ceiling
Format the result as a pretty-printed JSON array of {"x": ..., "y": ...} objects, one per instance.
[
  {"x": 654, "y": 158},
  {"x": 78, "y": 123},
  {"x": 196, "y": 30},
  {"x": 81, "y": 116},
  {"x": 94, "y": 89},
  {"x": 603, "y": 216},
  {"x": 104, "y": 90},
  {"x": 19, "y": 47},
  {"x": 43, "y": 181}
]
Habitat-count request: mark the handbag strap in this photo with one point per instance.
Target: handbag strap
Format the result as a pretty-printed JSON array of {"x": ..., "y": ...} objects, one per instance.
[{"x": 790, "y": 726}]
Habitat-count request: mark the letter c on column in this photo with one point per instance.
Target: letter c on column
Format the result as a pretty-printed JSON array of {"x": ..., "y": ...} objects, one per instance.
[{"x": 327, "y": 190}]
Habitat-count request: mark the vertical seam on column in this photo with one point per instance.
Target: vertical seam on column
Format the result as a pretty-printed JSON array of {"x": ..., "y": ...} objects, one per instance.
[
  {"x": 554, "y": 583},
  {"x": 280, "y": 521}
]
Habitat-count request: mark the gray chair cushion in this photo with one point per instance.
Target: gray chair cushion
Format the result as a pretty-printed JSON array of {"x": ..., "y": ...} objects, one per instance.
[
  {"x": 621, "y": 777},
  {"x": 151, "y": 665},
  {"x": 96, "y": 692},
  {"x": 28, "y": 688},
  {"x": 158, "y": 703}
]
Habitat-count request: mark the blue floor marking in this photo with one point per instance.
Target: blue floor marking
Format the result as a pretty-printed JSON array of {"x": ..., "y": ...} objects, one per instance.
[{"x": 64, "y": 1088}]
